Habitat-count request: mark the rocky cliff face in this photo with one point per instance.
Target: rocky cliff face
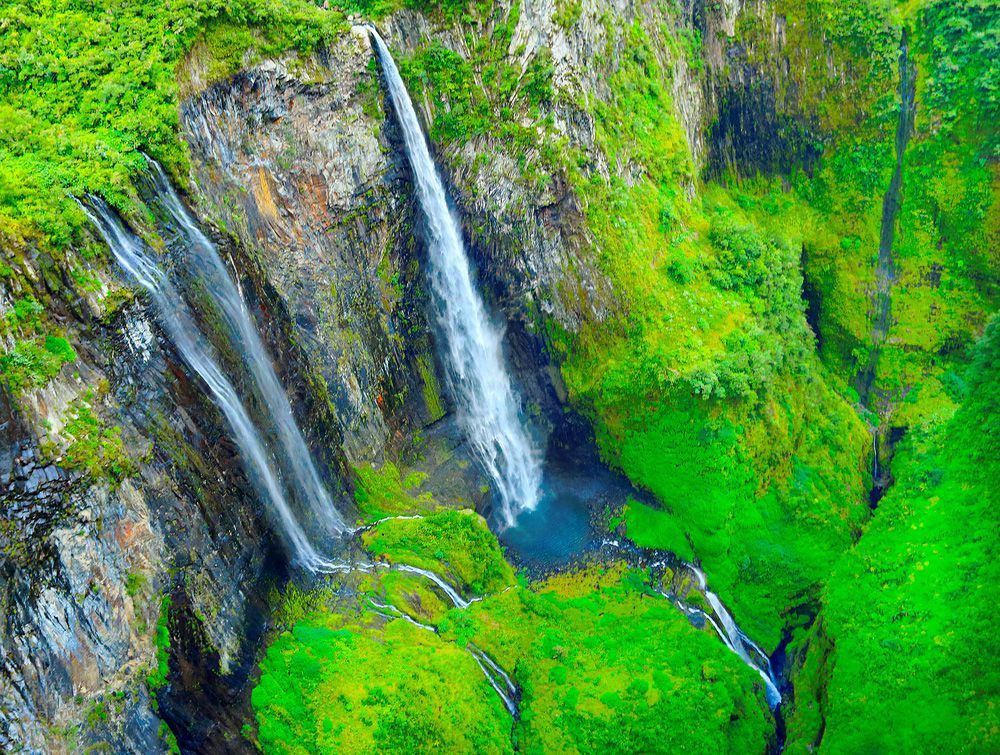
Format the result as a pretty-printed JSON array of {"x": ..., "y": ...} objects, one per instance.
[{"x": 81, "y": 590}]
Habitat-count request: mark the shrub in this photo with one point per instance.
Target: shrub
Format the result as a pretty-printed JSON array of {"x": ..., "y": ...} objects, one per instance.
[{"x": 31, "y": 364}]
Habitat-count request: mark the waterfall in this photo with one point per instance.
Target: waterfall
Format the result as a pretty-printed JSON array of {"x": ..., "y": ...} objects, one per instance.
[
  {"x": 473, "y": 356},
  {"x": 212, "y": 272},
  {"x": 737, "y": 641},
  {"x": 885, "y": 267},
  {"x": 179, "y": 323}
]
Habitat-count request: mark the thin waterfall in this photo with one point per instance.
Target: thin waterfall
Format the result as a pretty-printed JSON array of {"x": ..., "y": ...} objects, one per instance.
[
  {"x": 488, "y": 407},
  {"x": 737, "y": 641},
  {"x": 179, "y": 323},
  {"x": 213, "y": 273}
]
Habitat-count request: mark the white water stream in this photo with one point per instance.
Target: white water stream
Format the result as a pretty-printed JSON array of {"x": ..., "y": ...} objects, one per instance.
[
  {"x": 244, "y": 337},
  {"x": 179, "y": 323},
  {"x": 737, "y": 641},
  {"x": 473, "y": 356}
]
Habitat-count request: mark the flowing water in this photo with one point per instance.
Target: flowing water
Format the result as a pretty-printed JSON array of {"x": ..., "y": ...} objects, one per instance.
[
  {"x": 244, "y": 336},
  {"x": 737, "y": 641},
  {"x": 495, "y": 675},
  {"x": 473, "y": 355},
  {"x": 179, "y": 323},
  {"x": 885, "y": 269}
]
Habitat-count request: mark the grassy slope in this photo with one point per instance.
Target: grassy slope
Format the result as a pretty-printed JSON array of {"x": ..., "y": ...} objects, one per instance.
[
  {"x": 84, "y": 89},
  {"x": 339, "y": 679},
  {"x": 331, "y": 685},
  {"x": 607, "y": 667},
  {"x": 908, "y": 613},
  {"x": 705, "y": 389}
]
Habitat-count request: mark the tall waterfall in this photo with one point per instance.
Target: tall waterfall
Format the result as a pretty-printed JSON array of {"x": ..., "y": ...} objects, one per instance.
[
  {"x": 212, "y": 272},
  {"x": 473, "y": 356},
  {"x": 179, "y": 323}
]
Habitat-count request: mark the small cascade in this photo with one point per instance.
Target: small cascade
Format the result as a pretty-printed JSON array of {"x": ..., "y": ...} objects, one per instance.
[
  {"x": 878, "y": 486},
  {"x": 203, "y": 255},
  {"x": 178, "y": 321},
  {"x": 874, "y": 454},
  {"x": 481, "y": 386},
  {"x": 885, "y": 268},
  {"x": 494, "y": 675},
  {"x": 720, "y": 619},
  {"x": 498, "y": 679},
  {"x": 457, "y": 600},
  {"x": 736, "y": 640}
]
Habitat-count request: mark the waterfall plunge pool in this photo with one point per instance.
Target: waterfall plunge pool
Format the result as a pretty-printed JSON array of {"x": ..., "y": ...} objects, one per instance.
[{"x": 568, "y": 522}]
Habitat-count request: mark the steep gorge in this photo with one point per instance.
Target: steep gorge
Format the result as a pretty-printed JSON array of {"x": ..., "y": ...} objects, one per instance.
[{"x": 635, "y": 185}]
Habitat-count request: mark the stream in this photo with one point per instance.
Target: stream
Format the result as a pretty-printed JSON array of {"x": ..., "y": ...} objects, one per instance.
[{"x": 885, "y": 269}]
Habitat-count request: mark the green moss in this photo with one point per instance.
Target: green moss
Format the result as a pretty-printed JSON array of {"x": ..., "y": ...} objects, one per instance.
[
  {"x": 381, "y": 492},
  {"x": 97, "y": 715},
  {"x": 34, "y": 363},
  {"x": 135, "y": 583},
  {"x": 92, "y": 446},
  {"x": 164, "y": 733},
  {"x": 399, "y": 689},
  {"x": 596, "y": 677},
  {"x": 457, "y": 540},
  {"x": 653, "y": 528},
  {"x": 77, "y": 107},
  {"x": 157, "y": 677},
  {"x": 431, "y": 388},
  {"x": 415, "y": 596},
  {"x": 567, "y": 13},
  {"x": 468, "y": 94}
]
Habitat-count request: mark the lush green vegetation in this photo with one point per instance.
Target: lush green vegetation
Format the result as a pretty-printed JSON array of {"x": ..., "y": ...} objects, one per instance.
[
  {"x": 484, "y": 93},
  {"x": 705, "y": 388},
  {"x": 331, "y": 685},
  {"x": 703, "y": 379},
  {"x": 83, "y": 87},
  {"x": 92, "y": 445},
  {"x": 335, "y": 679},
  {"x": 647, "y": 681},
  {"x": 458, "y": 541},
  {"x": 157, "y": 677},
  {"x": 384, "y": 492},
  {"x": 32, "y": 364},
  {"x": 908, "y": 613},
  {"x": 948, "y": 263}
]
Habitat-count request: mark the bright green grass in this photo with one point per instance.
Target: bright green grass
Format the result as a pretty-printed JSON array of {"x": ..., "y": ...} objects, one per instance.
[
  {"x": 33, "y": 363},
  {"x": 385, "y": 492},
  {"x": 908, "y": 616},
  {"x": 607, "y": 667},
  {"x": 327, "y": 687},
  {"x": 83, "y": 87},
  {"x": 457, "y": 541},
  {"x": 604, "y": 665},
  {"x": 655, "y": 528}
]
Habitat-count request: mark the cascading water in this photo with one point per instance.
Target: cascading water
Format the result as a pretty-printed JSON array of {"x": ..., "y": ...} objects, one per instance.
[
  {"x": 179, "y": 323},
  {"x": 726, "y": 627},
  {"x": 488, "y": 407},
  {"x": 212, "y": 272},
  {"x": 737, "y": 641}
]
